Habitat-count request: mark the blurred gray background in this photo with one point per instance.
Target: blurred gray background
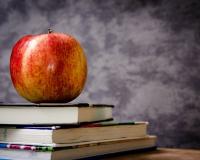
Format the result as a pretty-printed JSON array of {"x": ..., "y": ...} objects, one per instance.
[{"x": 143, "y": 57}]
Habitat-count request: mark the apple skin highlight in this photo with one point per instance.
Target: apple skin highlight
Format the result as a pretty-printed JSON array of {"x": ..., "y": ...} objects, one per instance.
[{"x": 48, "y": 68}]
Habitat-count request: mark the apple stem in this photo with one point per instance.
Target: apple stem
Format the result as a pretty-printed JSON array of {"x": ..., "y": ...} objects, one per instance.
[{"x": 50, "y": 30}]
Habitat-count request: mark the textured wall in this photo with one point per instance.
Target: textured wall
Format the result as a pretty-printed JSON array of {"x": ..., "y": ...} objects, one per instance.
[{"x": 143, "y": 57}]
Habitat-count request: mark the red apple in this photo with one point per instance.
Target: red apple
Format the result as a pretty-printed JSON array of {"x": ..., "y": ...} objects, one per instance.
[{"x": 48, "y": 67}]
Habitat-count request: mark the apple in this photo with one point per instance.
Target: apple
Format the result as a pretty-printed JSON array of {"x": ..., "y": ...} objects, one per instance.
[{"x": 49, "y": 67}]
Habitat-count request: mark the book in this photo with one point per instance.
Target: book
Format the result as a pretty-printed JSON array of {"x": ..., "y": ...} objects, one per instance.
[
  {"x": 87, "y": 132},
  {"x": 74, "y": 150},
  {"x": 53, "y": 114}
]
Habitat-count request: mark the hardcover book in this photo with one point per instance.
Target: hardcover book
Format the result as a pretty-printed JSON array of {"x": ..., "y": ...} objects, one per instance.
[
  {"x": 81, "y": 133},
  {"x": 53, "y": 114},
  {"x": 74, "y": 150}
]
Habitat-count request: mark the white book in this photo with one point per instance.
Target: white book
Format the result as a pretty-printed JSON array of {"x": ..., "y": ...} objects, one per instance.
[
  {"x": 89, "y": 132},
  {"x": 81, "y": 150},
  {"x": 53, "y": 114}
]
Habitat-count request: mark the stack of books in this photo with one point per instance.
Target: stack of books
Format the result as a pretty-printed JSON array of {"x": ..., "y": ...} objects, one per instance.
[{"x": 64, "y": 131}]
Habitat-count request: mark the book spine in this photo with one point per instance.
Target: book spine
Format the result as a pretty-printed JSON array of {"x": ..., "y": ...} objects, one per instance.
[{"x": 26, "y": 147}]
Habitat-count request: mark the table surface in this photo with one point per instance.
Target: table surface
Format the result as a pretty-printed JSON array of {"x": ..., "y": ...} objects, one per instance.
[{"x": 160, "y": 154}]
